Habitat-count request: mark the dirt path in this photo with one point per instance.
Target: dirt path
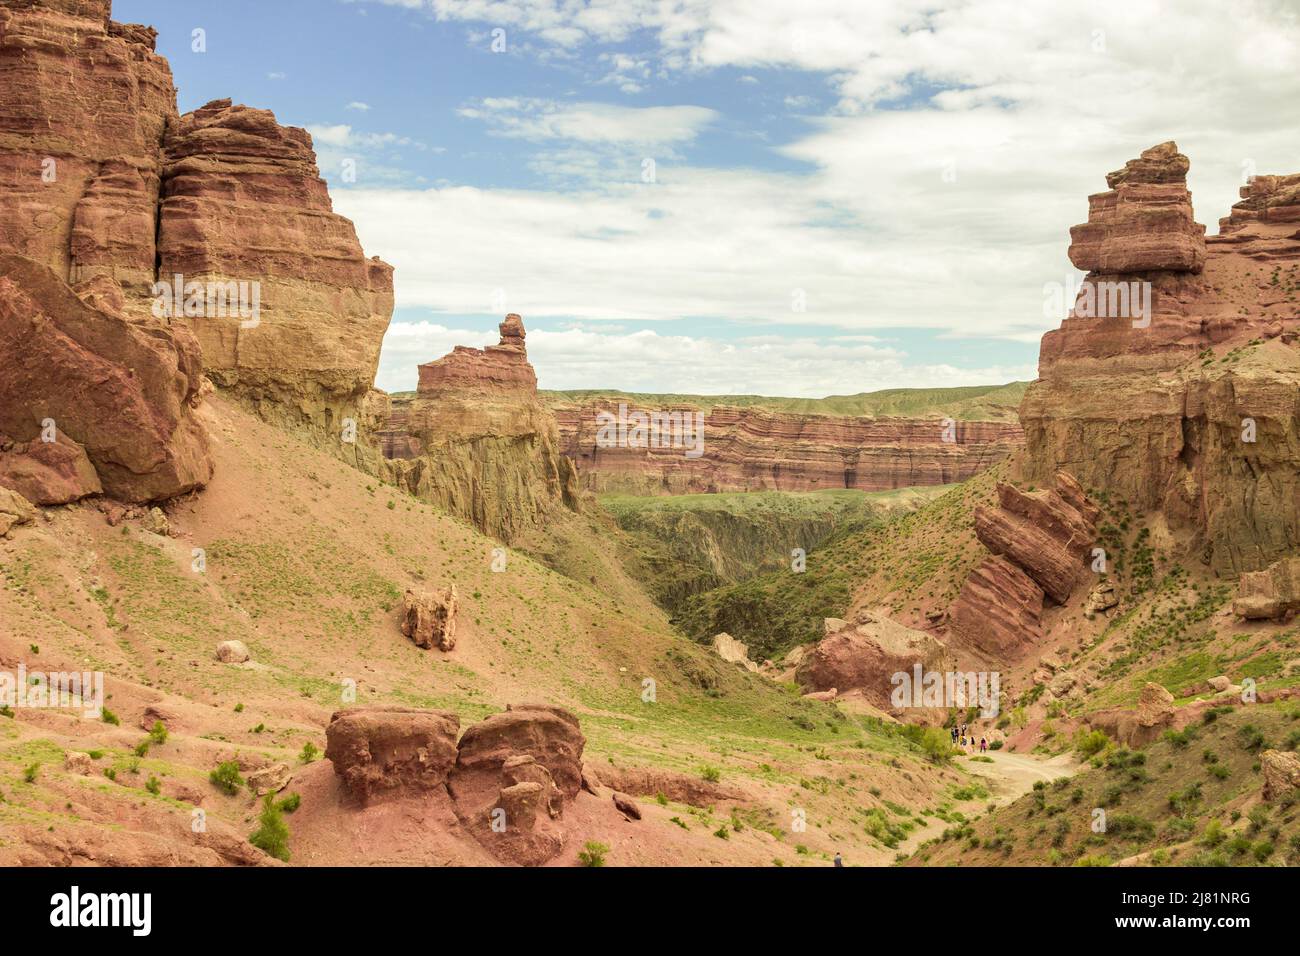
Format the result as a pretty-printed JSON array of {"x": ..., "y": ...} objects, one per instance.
[{"x": 1011, "y": 776}]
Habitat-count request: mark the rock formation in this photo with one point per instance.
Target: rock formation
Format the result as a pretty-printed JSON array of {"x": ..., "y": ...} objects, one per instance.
[
  {"x": 754, "y": 449},
  {"x": 1193, "y": 408},
  {"x": 429, "y": 619},
  {"x": 144, "y": 210},
  {"x": 1281, "y": 771},
  {"x": 382, "y": 750},
  {"x": 733, "y": 651},
  {"x": 243, "y": 202},
  {"x": 1271, "y": 594},
  {"x": 1040, "y": 541},
  {"x": 476, "y": 442},
  {"x": 865, "y": 654},
  {"x": 91, "y": 400}
]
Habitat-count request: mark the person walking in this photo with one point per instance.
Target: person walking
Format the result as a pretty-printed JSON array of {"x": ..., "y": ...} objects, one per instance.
[
  {"x": 984, "y": 745},
  {"x": 839, "y": 860}
]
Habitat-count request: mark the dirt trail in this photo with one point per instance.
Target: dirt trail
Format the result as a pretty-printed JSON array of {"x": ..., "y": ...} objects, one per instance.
[{"x": 1009, "y": 777}]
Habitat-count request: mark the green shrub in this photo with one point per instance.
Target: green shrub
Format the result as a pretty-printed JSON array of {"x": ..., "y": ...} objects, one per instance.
[
  {"x": 29, "y": 774},
  {"x": 290, "y": 803},
  {"x": 711, "y": 774},
  {"x": 109, "y": 717},
  {"x": 226, "y": 778},
  {"x": 158, "y": 733},
  {"x": 272, "y": 834},
  {"x": 592, "y": 853},
  {"x": 309, "y": 752},
  {"x": 153, "y": 785}
]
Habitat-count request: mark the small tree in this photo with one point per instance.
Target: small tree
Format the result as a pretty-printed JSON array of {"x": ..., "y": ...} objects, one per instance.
[
  {"x": 158, "y": 734},
  {"x": 272, "y": 836},
  {"x": 226, "y": 778},
  {"x": 937, "y": 745}
]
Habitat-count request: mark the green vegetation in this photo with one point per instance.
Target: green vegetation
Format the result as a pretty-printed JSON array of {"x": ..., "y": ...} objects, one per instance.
[
  {"x": 593, "y": 853},
  {"x": 226, "y": 778},
  {"x": 272, "y": 834}
]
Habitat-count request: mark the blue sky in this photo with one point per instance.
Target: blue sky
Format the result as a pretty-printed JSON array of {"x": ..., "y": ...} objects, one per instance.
[{"x": 845, "y": 195}]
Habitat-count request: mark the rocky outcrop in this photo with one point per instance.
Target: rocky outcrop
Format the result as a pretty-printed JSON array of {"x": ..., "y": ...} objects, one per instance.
[
  {"x": 1144, "y": 221},
  {"x": 733, "y": 651},
  {"x": 121, "y": 393},
  {"x": 216, "y": 220},
  {"x": 15, "y": 510},
  {"x": 429, "y": 618},
  {"x": 1155, "y": 713},
  {"x": 1281, "y": 772},
  {"x": 514, "y": 773},
  {"x": 476, "y": 442},
  {"x": 865, "y": 654},
  {"x": 999, "y": 609},
  {"x": 653, "y": 781},
  {"x": 243, "y": 203},
  {"x": 755, "y": 449},
  {"x": 1196, "y": 412},
  {"x": 1040, "y": 541},
  {"x": 1271, "y": 594},
  {"x": 378, "y": 751}
]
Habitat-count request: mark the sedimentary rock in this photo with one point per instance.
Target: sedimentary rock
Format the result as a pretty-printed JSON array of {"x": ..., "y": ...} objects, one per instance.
[
  {"x": 232, "y": 652},
  {"x": 387, "y": 750},
  {"x": 734, "y": 651},
  {"x": 1144, "y": 221},
  {"x": 652, "y": 781},
  {"x": 1281, "y": 771},
  {"x": 14, "y": 510},
  {"x": 1273, "y": 593},
  {"x": 1155, "y": 713},
  {"x": 1196, "y": 412},
  {"x": 514, "y": 773},
  {"x": 243, "y": 202},
  {"x": 48, "y": 473},
  {"x": 123, "y": 392},
  {"x": 480, "y": 445},
  {"x": 429, "y": 618},
  {"x": 755, "y": 449},
  {"x": 270, "y": 779},
  {"x": 865, "y": 654},
  {"x": 627, "y": 806},
  {"x": 1042, "y": 533},
  {"x": 999, "y": 609}
]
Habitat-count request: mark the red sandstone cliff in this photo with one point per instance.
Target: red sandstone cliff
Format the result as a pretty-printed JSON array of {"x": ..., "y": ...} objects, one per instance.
[
  {"x": 476, "y": 441},
  {"x": 753, "y": 449},
  {"x": 106, "y": 186},
  {"x": 1196, "y": 413}
]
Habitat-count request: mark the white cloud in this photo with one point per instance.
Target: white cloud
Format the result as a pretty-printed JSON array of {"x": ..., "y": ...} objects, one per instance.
[
  {"x": 537, "y": 120},
  {"x": 358, "y": 106},
  {"x": 644, "y": 360}
]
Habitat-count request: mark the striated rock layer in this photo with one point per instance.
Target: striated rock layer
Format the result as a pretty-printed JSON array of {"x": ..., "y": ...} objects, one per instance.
[
  {"x": 754, "y": 449},
  {"x": 475, "y": 440},
  {"x": 104, "y": 183},
  {"x": 1040, "y": 542},
  {"x": 1196, "y": 413}
]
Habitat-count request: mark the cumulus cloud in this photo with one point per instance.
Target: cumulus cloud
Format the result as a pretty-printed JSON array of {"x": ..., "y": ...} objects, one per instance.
[
  {"x": 645, "y": 360},
  {"x": 540, "y": 119}
]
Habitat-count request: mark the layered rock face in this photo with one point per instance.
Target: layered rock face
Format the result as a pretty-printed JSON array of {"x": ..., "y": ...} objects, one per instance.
[
  {"x": 91, "y": 401},
  {"x": 1040, "y": 542},
  {"x": 754, "y": 449},
  {"x": 243, "y": 202},
  {"x": 1195, "y": 412},
  {"x": 105, "y": 184},
  {"x": 475, "y": 440}
]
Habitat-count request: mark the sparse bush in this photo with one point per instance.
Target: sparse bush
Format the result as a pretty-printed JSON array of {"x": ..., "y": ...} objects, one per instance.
[
  {"x": 309, "y": 752},
  {"x": 158, "y": 733},
  {"x": 592, "y": 853},
  {"x": 226, "y": 778}
]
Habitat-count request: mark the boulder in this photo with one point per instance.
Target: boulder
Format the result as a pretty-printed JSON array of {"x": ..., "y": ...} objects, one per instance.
[
  {"x": 74, "y": 761},
  {"x": 1220, "y": 683},
  {"x": 1281, "y": 772},
  {"x": 48, "y": 473},
  {"x": 1100, "y": 600},
  {"x": 1271, "y": 594},
  {"x": 270, "y": 779},
  {"x": 429, "y": 618},
  {"x": 864, "y": 655},
  {"x": 232, "y": 652},
  {"x": 550, "y": 735},
  {"x": 377, "y": 751},
  {"x": 733, "y": 651},
  {"x": 14, "y": 510},
  {"x": 627, "y": 806}
]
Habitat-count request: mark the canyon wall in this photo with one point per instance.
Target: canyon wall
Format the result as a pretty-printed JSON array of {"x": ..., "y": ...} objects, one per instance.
[
  {"x": 757, "y": 449},
  {"x": 113, "y": 194},
  {"x": 1196, "y": 412},
  {"x": 476, "y": 441}
]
